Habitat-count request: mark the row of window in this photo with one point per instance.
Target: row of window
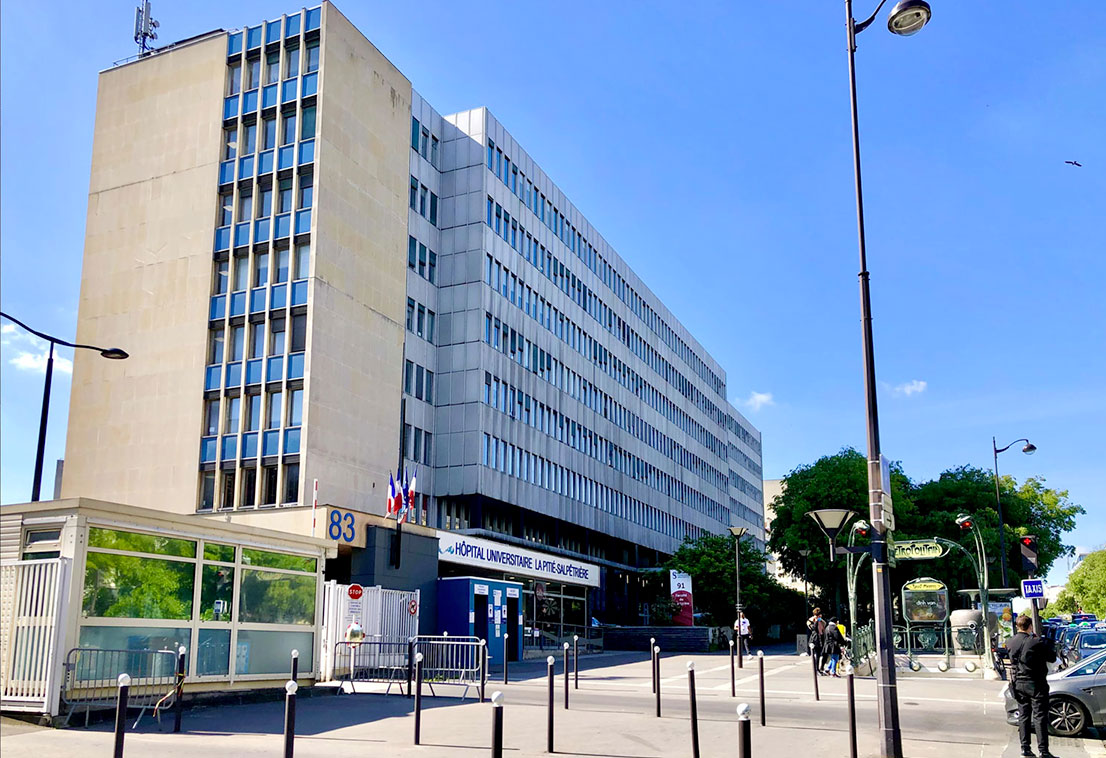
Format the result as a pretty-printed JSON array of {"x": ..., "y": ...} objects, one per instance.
[
  {"x": 257, "y": 407},
  {"x": 519, "y": 294},
  {"x": 418, "y": 382},
  {"x": 521, "y": 406},
  {"x": 422, "y": 260},
  {"x": 253, "y": 73},
  {"x": 423, "y": 202},
  {"x": 416, "y": 444},
  {"x": 424, "y": 143},
  {"x": 273, "y": 131},
  {"x": 244, "y": 341},
  {"x": 277, "y": 268},
  {"x": 255, "y": 486},
  {"x": 742, "y": 484},
  {"x": 420, "y": 320},
  {"x": 517, "y": 462},
  {"x": 736, "y": 454},
  {"x": 742, "y": 433},
  {"x": 544, "y": 210}
]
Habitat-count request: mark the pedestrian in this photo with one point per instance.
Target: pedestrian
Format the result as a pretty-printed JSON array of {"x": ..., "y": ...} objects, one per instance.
[
  {"x": 835, "y": 640},
  {"x": 816, "y": 630},
  {"x": 743, "y": 632},
  {"x": 1030, "y": 656}
]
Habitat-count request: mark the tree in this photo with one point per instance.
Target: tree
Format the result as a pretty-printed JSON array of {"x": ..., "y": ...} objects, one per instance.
[{"x": 1086, "y": 587}]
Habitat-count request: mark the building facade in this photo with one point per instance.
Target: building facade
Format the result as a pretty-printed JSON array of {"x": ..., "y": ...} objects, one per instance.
[{"x": 321, "y": 281}]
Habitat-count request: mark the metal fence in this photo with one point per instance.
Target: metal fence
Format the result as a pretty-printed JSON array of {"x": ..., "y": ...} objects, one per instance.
[
  {"x": 863, "y": 642},
  {"x": 452, "y": 660},
  {"x": 372, "y": 661},
  {"x": 32, "y": 604},
  {"x": 385, "y": 615},
  {"x": 91, "y": 680}
]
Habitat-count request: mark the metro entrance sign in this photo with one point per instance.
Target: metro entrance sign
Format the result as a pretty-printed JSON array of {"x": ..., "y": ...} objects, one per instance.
[
  {"x": 1033, "y": 588},
  {"x": 918, "y": 550}
]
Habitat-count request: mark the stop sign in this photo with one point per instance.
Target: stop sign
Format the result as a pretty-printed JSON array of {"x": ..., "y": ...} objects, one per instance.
[{"x": 356, "y": 591}]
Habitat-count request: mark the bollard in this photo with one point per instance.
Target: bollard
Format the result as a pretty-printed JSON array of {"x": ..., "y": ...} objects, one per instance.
[
  {"x": 740, "y": 647},
  {"x": 814, "y": 671},
  {"x": 852, "y": 712},
  {"x": 566, "y": 676},
  {"x": 760, "y": 664},
  {"x": 505, "y": 638},
  {"x": 657, "y": 676},
  {"x": 549, "y": 662},
  {"x": 653, "y": 662},
  {"x": 497, "y": 724},
  {"x": 733, "y": 674},
  {"x": 418, "y": 696},
  {"x": 295, "y": 665},
  {"x": 290, "y": 688},
  {"x": 694, "y": 710},
  {"x": 575, "y": 661},
  {"x": 178, "y": 704},
  {"x": 121, "y": 713},
  {"x": 483, "y": 668},
  {"x": 410, "y": 662},
  {"x": 744, "y": 732}
]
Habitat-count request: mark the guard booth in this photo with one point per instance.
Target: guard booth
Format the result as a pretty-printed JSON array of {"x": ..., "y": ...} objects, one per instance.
[{"x": 470, "y": 606}]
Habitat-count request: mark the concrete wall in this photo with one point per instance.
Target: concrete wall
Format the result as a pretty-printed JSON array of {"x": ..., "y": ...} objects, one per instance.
[
  {"x": 358, "y": 296},
  {"x": 134, "y": 425}
]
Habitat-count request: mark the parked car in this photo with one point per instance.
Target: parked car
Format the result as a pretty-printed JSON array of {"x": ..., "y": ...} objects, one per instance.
[
  {"x": 1085, "y": 643},
  {"x": 1077, "y": 697}
]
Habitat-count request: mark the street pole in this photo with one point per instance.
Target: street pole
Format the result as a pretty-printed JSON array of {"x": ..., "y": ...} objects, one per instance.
[
  {"x": 887, "y": 699},
  {"x": 1001, "y": 526}
]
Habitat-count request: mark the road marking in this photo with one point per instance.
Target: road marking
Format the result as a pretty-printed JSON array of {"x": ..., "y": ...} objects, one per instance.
[{"x": 755, "y": 677}]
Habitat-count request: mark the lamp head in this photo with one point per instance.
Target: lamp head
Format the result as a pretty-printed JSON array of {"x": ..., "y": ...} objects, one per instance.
[
  {"x": 964, "y": 521},
  {"x": 1029, "y": 448},
  {"x": 908, "y": 17},
  {"x": 114, "y": 353},
  {"x": 738, "y": 531},
  {"x": 831, "y": 520}
]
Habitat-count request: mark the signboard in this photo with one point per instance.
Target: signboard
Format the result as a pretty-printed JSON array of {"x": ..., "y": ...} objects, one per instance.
[
  {"x": 883, "y": 496},
  {"x": 919, "y": 550},
  {"x": 925, "y": 600},
  {"x": 497, "y": 556},
  {"x": 680, "y": 587},
  {"x": 353, "y": 611},
  {"x": 1033, "y": 588},
  {"x": 480, "y": 589},
  {"x": 346, "y": 527},
  {"x": 512, "y": 592}
]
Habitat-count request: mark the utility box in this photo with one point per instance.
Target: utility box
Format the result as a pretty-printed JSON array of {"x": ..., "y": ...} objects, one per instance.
[{"x": 470, "y": 606}]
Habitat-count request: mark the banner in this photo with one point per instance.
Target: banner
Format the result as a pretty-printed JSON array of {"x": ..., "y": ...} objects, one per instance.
[
  {"x": 475, "y": 551},
  {"x": 680, "y": 584}
]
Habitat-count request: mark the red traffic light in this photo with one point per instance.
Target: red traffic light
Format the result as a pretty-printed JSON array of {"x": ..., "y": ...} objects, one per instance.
[
  {"x": 1028, "y": 541},
  {"x": 966, "y": 525}
]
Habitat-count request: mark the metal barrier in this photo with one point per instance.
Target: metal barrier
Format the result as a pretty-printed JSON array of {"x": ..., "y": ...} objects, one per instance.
[
  {"x": 451, "y": 660},
  {"x": 371, "y": 661},
  {"x": 91, "y": 680}
]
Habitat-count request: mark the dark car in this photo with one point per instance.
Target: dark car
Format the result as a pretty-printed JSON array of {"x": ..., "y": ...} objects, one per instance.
[
  {"x": 1085, "y": 643},
  {"x": 1077, "y": 697}
]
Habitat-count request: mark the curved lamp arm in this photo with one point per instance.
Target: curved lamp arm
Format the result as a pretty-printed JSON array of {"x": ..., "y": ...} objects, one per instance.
[
  {"x": 1004, "y": 449},
  {"x": 107, "y": 352}
]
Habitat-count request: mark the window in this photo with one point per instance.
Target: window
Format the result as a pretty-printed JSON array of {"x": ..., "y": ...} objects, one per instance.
[
  {"x": 311, "y": 63},
  {"x": 241, "y": 273},
  {"x": 273, "y": 421},
  {"x": 307, "y": 192},
  {"x": 413, "y": 197},
  {"x": 226, "y": 209},
  {"x": 249, "y": 138},
  {"x": 268, "y": 133},
  {"x": 432, "y": 268},
  {"x": 288, "y": 129},
  {"x": 221, "y": 276},
  {"x": 228, "y": 490},
  {"x": 420, "y": 323},
  {"x": 249, "y": 492},
  {"x": 433, "y": 209},
  {"x": 284, "y": 196},
  {"x": 237, "y": 342},
  {"x": 420, "y": 373},
  {"x": 434, "y": 152},
  {"x": 410, "y": 315},
  {"x": 303, "y": 261},
  {"x": 426, "y": 440},
  {"x": 261, "y": 270},
  {"x": 253, "y": 73},
  {"x": 245, "y": 206},
  {"x": 292, "y": 63},
  {"x": 269, "y": 489},
  {"x": 207, "y": 491},
  {"x": 276, "y": 338},
  {"x": 425, "y": 142},
  {"x": 265, "y": 202},
  {"x": 272, "y": 67},
  {"x": 215, "y": 352},
  {"x": 417, "y": 453},
  {"x": 211, "y": 417},
  {"x": 423, "y": 192},
  {"x": 234, "y": 405},
  {"x": 422, "y": 260},
  {"x": 428, "y": 396},
  {"x": 414, "y": 133},
  {"x": 408, "y": 377},
  {"x": 257, "y": 340},
  {"x": 281, "y": 265},
  {"x": 230, "y": 143},
  {"x": 307, "y": 128},
  {"x": 299, "y": 333},
  {"x": 430, "y": 326},
  {"x": 253, "y": 413},
  {"x": 292, "y": 495},
  {"x": 295, "y": 408},
  {"x": 234, "y": 78}
]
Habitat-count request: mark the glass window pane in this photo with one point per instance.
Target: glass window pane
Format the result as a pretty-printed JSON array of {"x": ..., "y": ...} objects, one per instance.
[
  {"x": 213, "y": 551},
  {"x": 266, "y": 652},
  {"x": 307, "y": 127},
  {"x": 216, "y": 592},
  {"x": 140, "y": 543},
  {"x": 267, "y": 559},
  {"x": 282, "y": 265},
  {"x": 130, "y": 586},
  {"x": 295, "y": 408},
  {"x": 303, "y": 261},
  {"x": 133, "y": 638},
  {"x": 270, "y": 598},
  {"x": 213, "y": 652}
]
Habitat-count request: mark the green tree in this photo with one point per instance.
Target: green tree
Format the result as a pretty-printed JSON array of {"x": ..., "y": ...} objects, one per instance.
[{"x": 1086, "y": 587}]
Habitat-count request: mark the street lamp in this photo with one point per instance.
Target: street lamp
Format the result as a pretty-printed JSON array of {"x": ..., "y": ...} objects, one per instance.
[
  {"x": 738, "y": 532},
  {"x": 967, "y": 524},
  {"x": 1029, "y": 449},
  {"x": 831, "y": 521},
  {"x": 112, "y": 353},
  {"x": 906, "y": 17},
  {"x": 853, "y": 562}
]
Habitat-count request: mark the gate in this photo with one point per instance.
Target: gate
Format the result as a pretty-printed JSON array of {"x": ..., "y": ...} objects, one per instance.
[
  {"x": 32, "y": 600},
  {"x": 386, "y": 616}
]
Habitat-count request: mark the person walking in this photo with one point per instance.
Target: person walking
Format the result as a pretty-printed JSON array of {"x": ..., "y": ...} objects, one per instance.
[
  {"x": 835, "y": 640},
  {"x": 1030, "y": 656},
  {"x": 816, "y": 631},
  {"x": 743, "y": 632}
]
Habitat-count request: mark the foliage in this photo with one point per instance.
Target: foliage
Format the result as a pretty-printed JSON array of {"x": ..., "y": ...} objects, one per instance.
[
  {"x": 130, "y": 586},
  {"x": 924, "y": 510},
  {"x": 1086, "y": 588},
  {"x": 710, "y": 562}
]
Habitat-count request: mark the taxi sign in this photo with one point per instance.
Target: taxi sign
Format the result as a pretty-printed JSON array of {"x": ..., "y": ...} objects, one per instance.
[{"x": 1033, "y": 588}]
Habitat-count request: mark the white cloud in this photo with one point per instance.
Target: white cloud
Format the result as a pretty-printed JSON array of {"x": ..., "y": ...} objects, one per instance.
[
  {"x": 758, "y": 400},
  {"x": 36, "y": 362},
  {"x": 7, "y": 328},
  {"x": 913, "y": 387}
]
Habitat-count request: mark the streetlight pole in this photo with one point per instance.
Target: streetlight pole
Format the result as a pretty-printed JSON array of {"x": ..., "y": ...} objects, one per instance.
[
  {"x": 907, "y": 17},
  {"x": 1029, "y": 449},
  {"x": 738, "y": 532},
  {"x": 806, "y": 587},
  {"x": 113, "y": 353}
]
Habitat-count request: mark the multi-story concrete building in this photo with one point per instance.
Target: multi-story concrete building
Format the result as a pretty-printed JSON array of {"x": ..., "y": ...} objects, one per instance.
[{"x": 320, "y": 279}]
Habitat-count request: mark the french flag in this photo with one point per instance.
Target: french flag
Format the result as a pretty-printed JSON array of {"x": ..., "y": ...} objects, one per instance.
[{"x": 393, "y": 498}]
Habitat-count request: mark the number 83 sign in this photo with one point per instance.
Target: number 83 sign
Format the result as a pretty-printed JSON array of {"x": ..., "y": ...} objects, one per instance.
[{"x": 346, "y": 527}]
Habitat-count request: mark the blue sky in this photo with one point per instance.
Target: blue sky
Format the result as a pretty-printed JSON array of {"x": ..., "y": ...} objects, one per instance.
[{"x": 711, "y": 147}]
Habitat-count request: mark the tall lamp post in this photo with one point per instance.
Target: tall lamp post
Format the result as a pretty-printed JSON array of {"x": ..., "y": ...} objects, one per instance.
[
  {"x": 738, "y": 532},
  {"x": 806, "y": 588},
  {"x": 113, "y": 353},
  {"x": 906, "y": 17},
  {"x": 1029, "y": 449}
]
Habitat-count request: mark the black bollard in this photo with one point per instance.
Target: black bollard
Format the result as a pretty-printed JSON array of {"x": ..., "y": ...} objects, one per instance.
[
  {"x": 505, "y": 638},
  {"x": 744, "y": 732},
  {"x": 178, "y": 704},
  {"x": 852, "y": 713},
  {"x": 497, "y": 725},
  {"x": 549, "y": 662},
  {"x": 575, "y": 661},
  {"x": 410, "y": 662},
  {"x": 121, "y": 713},
  {"x": 418, "y": 696},
  {"x": 290, "y": 717},
  {"x": 740, "y": 647},
  {"x": 760, "y": 664},
  {"x": 566, "y": 676},
  {"x": 295, "y": 665},
  {"x": 657, "y": 676},
  {"x": 814, "y": 671},
  {"x": 694, "y": 710},
  {"x": 733, "y": 673},
  {"x": 653, "y": 662}
]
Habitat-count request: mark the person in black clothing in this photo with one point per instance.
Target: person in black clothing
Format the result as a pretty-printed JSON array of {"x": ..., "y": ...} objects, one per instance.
[
  {"x": 816, "y": 627},
  {"x": 834, "y": 642},
  {"x": 1030, "y": 656}
]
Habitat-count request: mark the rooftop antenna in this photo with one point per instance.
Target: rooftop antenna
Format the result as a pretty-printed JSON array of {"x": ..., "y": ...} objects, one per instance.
[{"x": 144, "y": 28}]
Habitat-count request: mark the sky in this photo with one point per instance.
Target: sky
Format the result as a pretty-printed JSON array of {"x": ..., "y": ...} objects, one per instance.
[{"x": 710, "y": 144}]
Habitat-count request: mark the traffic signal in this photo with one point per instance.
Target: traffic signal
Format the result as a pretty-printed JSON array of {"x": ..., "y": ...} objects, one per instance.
[
  {"x": 1029, "y": 554},
  {"x": 965, "y": 522}
]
